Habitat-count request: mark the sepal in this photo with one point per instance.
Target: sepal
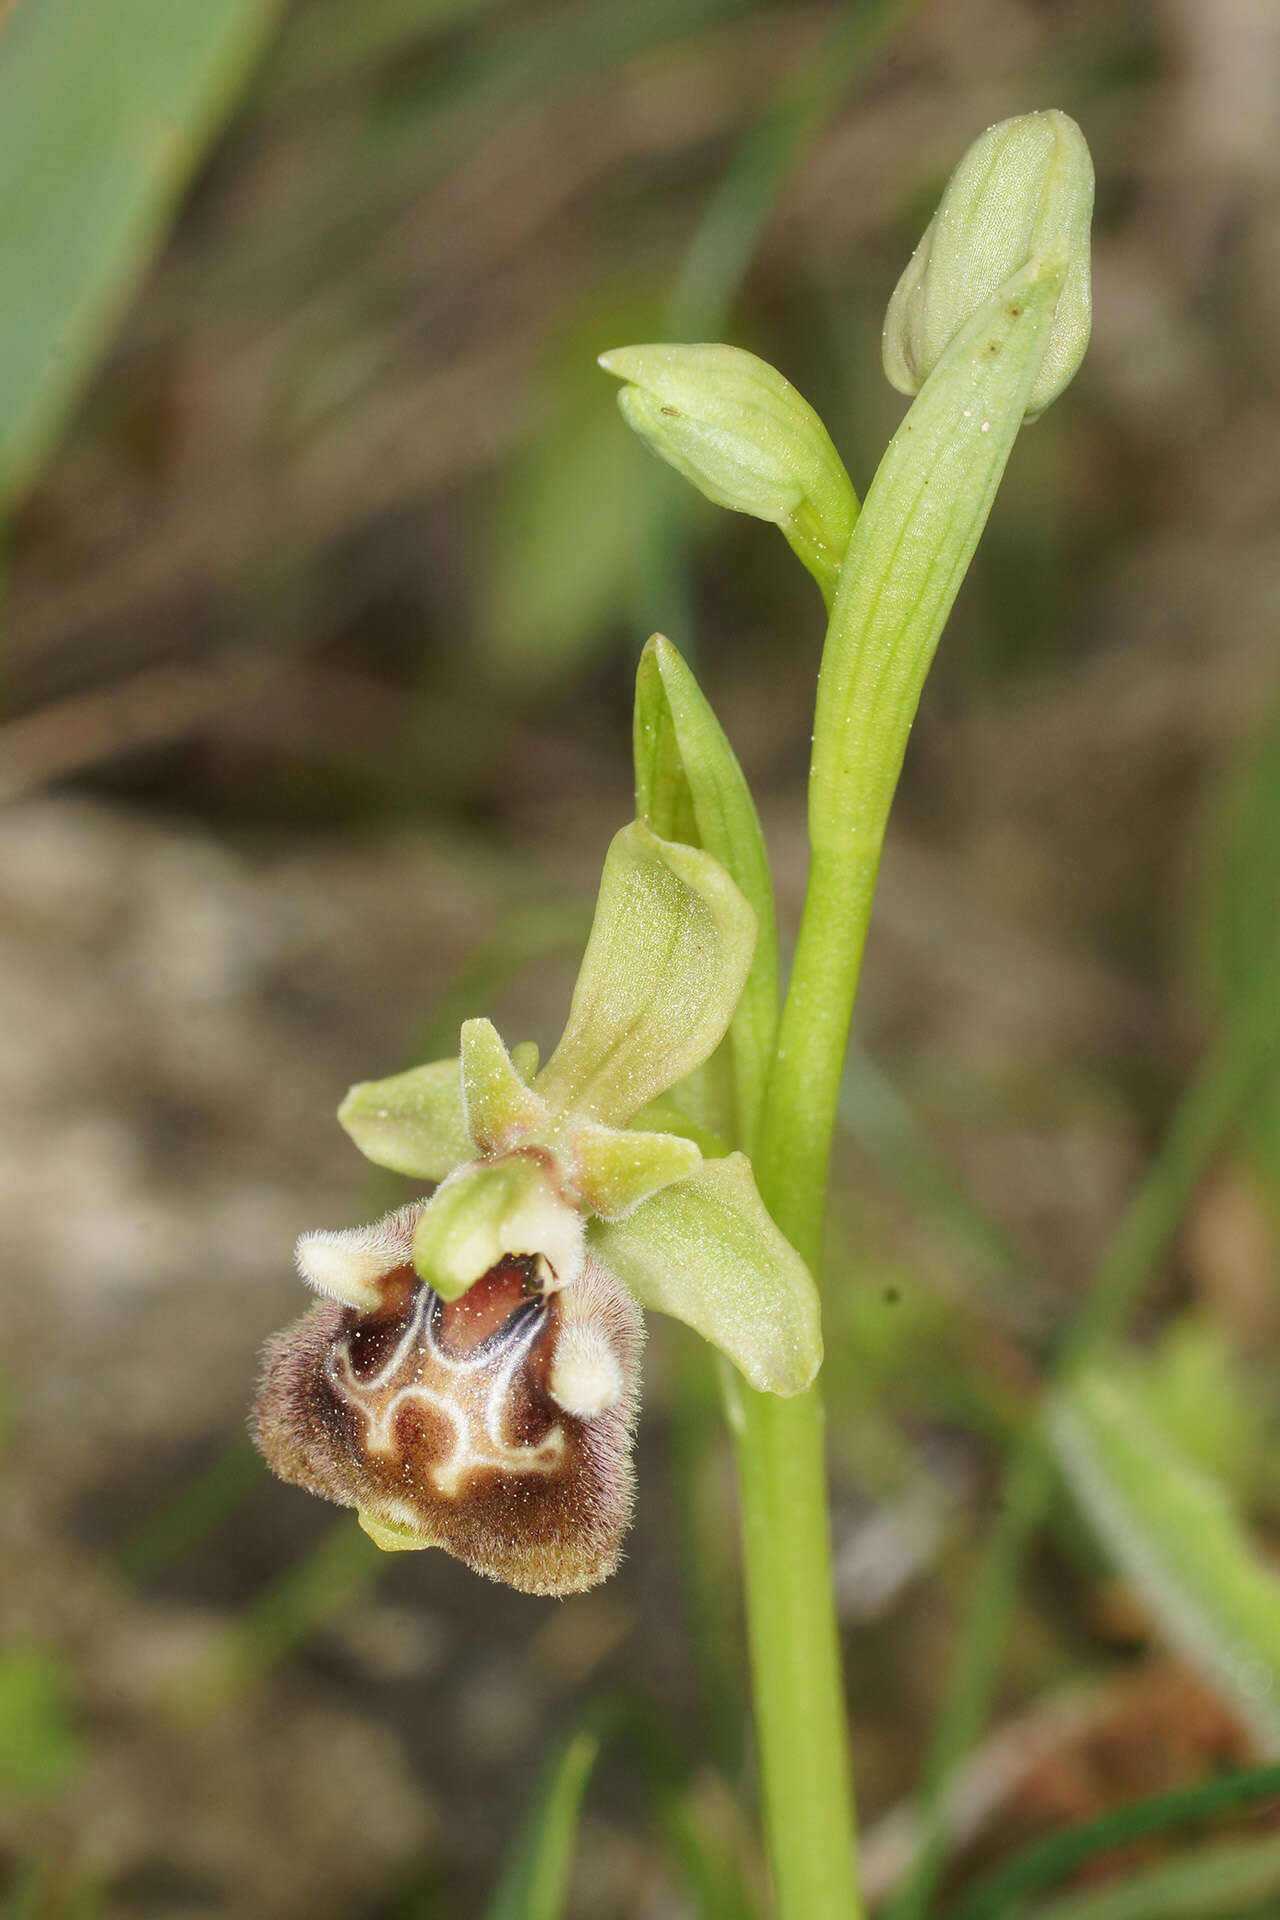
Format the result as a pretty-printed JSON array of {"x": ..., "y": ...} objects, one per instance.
[
  {"x": 708, "y": 1253},
  {"x": 669, "y": 950}
]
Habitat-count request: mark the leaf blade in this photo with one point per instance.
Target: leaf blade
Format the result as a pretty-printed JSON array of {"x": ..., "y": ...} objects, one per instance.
[{"x": 104, "y": 112}]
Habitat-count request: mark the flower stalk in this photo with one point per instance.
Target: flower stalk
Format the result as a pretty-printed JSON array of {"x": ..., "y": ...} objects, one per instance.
[{"x": 989, "y": 324}]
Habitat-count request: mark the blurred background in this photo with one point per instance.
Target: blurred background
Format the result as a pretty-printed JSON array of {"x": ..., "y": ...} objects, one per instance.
[{"x": 327, "y": 563}]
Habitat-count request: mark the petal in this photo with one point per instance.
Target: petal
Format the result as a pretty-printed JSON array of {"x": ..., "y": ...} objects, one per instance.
[
  {"x": 707, "y": 1252},
  {"x": 413, "y": 1122},
  {"x": 669, "y": 950},
  {"x": 349, "y": 1264},
  {"x": 495, "y": 1100},
  {"x": 498, "y": 1428},
  {"x": 616, "y": 1168},
  {"x": 490, "y": 1209}
]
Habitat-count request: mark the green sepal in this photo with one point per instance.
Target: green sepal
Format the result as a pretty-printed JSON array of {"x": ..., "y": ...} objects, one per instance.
[
  {"x": 1021, "y": 197},
  {"x": 706, "y": 1252},
  {"x": 689, "y": 786},
  {"x": 492, "y": 1208},
  {"x": 495, "y": 1099},
  {"x": 413, "y": 1122},
  {"x": 669, "y": 950},
  {"x": 739, "y": 431},
  {"x": 615, "y": 1168}
]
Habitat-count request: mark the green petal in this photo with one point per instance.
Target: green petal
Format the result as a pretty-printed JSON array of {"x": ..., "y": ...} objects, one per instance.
[
  {"x": 669, "y": 950},
  {"x": 490, "y": 1209},
  {"x": 615, "y": 1168},
  {"x": 707, "y": 1252},
  {"x": 524, "y": 1058},
  {"x": 413, "y": 1122},
  {"x": 497, "y": 1103}
]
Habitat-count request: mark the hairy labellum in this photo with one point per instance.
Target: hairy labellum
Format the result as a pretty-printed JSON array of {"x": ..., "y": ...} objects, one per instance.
[{"x": 497, "y": 1426}]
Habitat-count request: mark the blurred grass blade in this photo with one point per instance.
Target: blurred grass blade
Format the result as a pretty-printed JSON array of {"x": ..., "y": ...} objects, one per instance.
[
  {"x": 39, "y": 1744},
  {"x": 1173, "y": 1530},
  {"x": 36, "y": 1891},
  {"x": 1210, "y": 1106},
  {"x": 296, "y": 1605},
  {"x": 105, "y": 108},
  {"x": 327, "y": 40},
  {"x": 1236, "y": 921},
  {"x": 1227, "y": 1881},
  {"x": 998, "y": 1896},
  {"x": 767, "y": 154},
  {"x": 536, "y": 1879}
]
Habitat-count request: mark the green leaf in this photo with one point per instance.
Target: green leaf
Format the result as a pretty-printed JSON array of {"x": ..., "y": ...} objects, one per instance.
[
  {"x": 105, "y": 107},
  {"x": 1173, "y": 1530},
  {"x": 669, "y": 951},
  {"x": 706, "y": 1252},
  {"x": 739, "y": 431},
  {"x": 690, "y": 787},
  {"x": 535, "y": 1882},
  {"x": 413, "y": 1122}
]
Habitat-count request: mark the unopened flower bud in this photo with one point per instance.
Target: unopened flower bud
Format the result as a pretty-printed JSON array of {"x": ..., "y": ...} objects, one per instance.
[
  {"x": 731, "y": 424},
  {"x": 1021, "y": 198}
]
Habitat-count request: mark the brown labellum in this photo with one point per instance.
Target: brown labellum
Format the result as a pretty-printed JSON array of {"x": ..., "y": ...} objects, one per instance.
[{"x": 497, "y": 1426}]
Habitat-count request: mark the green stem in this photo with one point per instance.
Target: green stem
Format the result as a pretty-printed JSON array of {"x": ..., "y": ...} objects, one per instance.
[
  {"x": 805, "y": 1782},
  {"x": 1203, "y": 1117},
  {"x": 913, "y": 541}
]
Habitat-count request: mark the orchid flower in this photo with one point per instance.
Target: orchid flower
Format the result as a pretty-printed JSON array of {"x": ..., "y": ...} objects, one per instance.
[{"x": 469, "y": 1378}]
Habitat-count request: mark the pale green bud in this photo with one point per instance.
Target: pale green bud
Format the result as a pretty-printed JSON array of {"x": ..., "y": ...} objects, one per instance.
[
  {"x": 1021, "y": 197},
  {"x": 731, "y": 424}
]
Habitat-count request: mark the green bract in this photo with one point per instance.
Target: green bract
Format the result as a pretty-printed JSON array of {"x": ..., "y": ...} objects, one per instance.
[
  {"x": 731, "y": 424},
  {"x": 1021, "y": 197},
  {"x": 546, "y": 1165}
]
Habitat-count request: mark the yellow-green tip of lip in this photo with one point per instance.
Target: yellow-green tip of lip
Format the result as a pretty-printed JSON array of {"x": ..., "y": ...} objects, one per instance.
[{"x": 391, "y": 1536}]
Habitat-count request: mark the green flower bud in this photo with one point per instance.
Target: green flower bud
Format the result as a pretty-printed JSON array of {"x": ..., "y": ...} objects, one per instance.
[
  {"x": 1021, "y": 197},
  {"x": 731, "y": 424}
]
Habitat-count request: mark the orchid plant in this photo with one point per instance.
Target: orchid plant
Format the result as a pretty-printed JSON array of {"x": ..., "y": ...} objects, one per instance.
[{"x": 468, "y": 1378}]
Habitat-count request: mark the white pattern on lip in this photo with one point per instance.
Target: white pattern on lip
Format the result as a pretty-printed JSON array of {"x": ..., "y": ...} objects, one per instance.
[{"x": 468, "y": 1390}]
